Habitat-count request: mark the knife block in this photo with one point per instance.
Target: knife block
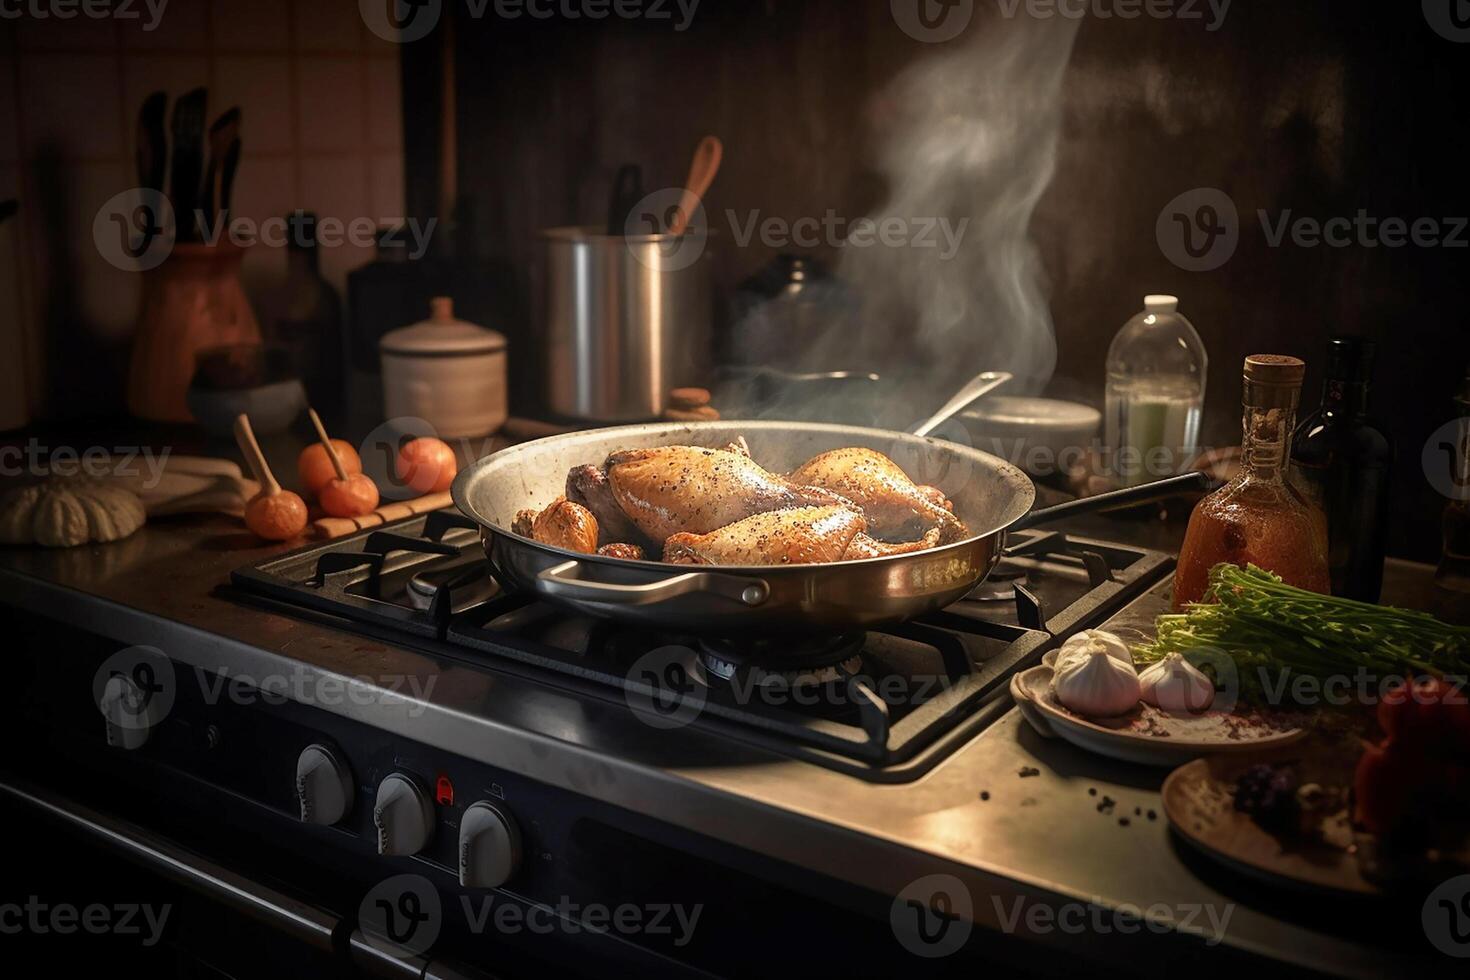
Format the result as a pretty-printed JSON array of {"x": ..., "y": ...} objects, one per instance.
[{"x": 191, "y": 301}]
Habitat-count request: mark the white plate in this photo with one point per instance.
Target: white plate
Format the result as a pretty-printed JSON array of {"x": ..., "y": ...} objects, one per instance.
[{"x": 1032, "y": 692}]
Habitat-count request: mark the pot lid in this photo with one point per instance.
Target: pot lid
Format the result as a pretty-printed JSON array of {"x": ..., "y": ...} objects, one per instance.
[
  {"x": 442, "y": 334},
  {"x": 1039, "y": 413}
]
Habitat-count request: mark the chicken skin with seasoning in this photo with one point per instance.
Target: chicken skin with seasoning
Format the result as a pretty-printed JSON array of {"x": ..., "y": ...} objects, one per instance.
[
  {"x": 673, "y": 490},
  {"x": 562, "y": 525},
  {"x": 798, "y": 536},
  {"x": 896, "y": 508},
  {"x": 588, "y": 486},
  {"x": 863, "y": 546}
]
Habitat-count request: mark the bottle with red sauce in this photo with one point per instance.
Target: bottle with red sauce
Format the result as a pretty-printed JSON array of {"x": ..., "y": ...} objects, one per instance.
[{"x": 1259, "y": 518}]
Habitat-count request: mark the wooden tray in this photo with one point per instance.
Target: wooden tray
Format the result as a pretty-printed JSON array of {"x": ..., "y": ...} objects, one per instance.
[{"x": 1199, "y": 802}]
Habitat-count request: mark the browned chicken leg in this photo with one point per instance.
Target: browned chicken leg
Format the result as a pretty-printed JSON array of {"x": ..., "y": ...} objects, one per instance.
[
  {"x": 562, "y": 525},
  {"x": 863, "y": 546},
  {"x": 896, "y": 509},
  {"x": 799, "y": 536},
  {"x": 683, "y": 489},
  {"x": 588, "y": 486}
]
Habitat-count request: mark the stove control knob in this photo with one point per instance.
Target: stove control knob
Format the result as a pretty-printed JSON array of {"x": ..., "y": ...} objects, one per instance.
[
  {"x": 125, "y": 709},
  {"x": 323, "y": 786},
  {"x": 489, "y": 847},
  {"x": 403, "y": 815}
]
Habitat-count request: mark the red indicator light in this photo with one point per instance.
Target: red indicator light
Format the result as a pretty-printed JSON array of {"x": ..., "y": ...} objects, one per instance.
[{"x": 444, "y": 791}]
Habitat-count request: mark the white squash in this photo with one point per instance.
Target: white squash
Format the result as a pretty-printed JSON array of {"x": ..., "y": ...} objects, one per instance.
[{"x": 63, "y": 512}]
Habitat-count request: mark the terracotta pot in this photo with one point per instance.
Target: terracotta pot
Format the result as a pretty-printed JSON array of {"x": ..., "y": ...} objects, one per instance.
[{"x": 192, "y": 301}]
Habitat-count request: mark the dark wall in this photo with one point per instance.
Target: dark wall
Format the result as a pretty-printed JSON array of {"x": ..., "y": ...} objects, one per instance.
[{"x": 1307, "y": 106}]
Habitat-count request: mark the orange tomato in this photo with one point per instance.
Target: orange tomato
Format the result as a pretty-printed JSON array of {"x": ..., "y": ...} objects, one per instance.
[
  {"x": 315, "y": 469},
  {"x": 277, "y": 518},
  {"x": 426, "y": 465},
  {"x": 353, "y": 497}
]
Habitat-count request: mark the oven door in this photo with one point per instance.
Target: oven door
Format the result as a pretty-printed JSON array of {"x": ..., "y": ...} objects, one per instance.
[{"x": 105, "y": 891}]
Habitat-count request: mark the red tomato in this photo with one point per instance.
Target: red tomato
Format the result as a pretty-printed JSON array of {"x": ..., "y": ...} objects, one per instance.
[
  {"x": 426, "y": 465},
  {"x": 315, "y": 468},
  {"x": 1432, "y": 716},
  {"x": 353, "y": 497},
  {"x": 277, "y": 518}
]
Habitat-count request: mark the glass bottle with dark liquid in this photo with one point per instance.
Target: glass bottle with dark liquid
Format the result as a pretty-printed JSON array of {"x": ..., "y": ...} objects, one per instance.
[
  {"x": 1342, "y": 464},
  {"x": 1258, "y": 518},
  {"x": 1454, "y": 563}
]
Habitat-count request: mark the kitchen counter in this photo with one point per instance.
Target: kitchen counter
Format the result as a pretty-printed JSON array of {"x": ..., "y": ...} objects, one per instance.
[{"x": 1021, "y": 845}]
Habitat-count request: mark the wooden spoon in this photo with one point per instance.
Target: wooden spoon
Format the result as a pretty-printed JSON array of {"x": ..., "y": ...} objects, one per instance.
[
  {"x": 351, "y": 494},
  {"x": 273, "y": 514},
  {"x": 702, "y": 171}
]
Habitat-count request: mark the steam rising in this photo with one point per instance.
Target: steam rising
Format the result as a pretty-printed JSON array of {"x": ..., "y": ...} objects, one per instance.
[{"x": 971, "y": 134}]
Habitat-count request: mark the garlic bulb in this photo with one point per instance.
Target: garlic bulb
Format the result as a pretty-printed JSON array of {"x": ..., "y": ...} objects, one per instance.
[
  {"x": 1177, "y": 686},
  {"x": 1087, "y": 641},
  {"x": 66, "y": 511},
  {"x": 1097, "y": 684}
]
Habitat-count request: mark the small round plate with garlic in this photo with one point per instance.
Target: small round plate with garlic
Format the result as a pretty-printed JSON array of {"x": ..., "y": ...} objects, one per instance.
[{"x": 1090, "y": 694}]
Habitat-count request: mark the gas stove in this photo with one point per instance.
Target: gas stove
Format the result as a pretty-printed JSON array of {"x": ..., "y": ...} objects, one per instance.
[{"x": 885, "y": 705}]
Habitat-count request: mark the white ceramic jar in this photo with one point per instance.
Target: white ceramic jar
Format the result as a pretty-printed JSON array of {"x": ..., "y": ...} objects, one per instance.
[{"x": 450, "y": 373}]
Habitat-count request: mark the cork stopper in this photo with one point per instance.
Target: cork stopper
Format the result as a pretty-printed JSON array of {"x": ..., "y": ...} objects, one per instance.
[{"x": 1274, "y": 369}]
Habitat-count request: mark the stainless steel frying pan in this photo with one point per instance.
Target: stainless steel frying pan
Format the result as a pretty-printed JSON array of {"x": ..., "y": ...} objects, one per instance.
[{"x": 989, "y": 494}]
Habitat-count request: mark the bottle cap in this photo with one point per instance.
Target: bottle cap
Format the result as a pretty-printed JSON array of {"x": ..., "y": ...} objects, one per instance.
[
  {"x": 1159, "y": 303},
  {"x": 1350, "y": 359},
  {"x": 1274, "y": 369}
]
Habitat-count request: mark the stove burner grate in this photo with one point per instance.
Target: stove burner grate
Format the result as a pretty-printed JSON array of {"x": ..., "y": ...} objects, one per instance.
[{"x": 802, "y": 662}]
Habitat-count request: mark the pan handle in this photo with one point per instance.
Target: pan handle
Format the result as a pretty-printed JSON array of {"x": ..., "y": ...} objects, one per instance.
[
  {"x": 1198, "y": 480},
  {"x": 565, "y": 582}
]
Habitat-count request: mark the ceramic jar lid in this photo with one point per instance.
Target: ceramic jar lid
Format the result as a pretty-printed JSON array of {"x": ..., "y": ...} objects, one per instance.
[{"x": 441, "y": 335}]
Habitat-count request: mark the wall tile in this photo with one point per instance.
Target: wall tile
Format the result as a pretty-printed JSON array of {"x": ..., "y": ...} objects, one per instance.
[
  {"x": 387, "y": 186},
  {"x": 331, "y": 100},
  {"x": 9, "y": 99},
  {"x": 338, "y": 188},
  {"x": 385, "y": 104},
  {"x": 261, "y": 87},
  {"x": 256, "y": 26},
  {"x": 180, "y": 27},
  {"x": 335, "y": 186},
  {"x": 77, "y": 33},
  {"x": 328, "y": 26},
  {"x": 72, "y": 101},
  {"x": 265, "y": 187},
  {"x": 16, "y": 329},
  {"x": 107, "y": 296}
]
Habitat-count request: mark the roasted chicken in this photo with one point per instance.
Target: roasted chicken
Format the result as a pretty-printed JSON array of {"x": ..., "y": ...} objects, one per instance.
[
  {"x": 588, "y": 486},
  {"x": 896, "y": 508},
  {"x": 673, "y": 490},
  {"x": 863, "y": 546},
  {"x": 627, "y": 552},
  {"x": 797, "y": 536},
  {"x": 562, "y": 525}
]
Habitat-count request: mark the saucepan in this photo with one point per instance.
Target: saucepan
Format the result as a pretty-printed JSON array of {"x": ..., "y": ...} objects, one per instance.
[{"x": 990, "y": 495}]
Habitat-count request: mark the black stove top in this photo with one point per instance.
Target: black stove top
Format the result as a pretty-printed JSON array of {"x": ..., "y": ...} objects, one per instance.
[{"x": 886, "y": 704}]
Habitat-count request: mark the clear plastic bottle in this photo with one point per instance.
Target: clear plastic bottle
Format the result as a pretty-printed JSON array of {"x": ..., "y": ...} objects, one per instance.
[{"x": 1155, "y": 394}]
